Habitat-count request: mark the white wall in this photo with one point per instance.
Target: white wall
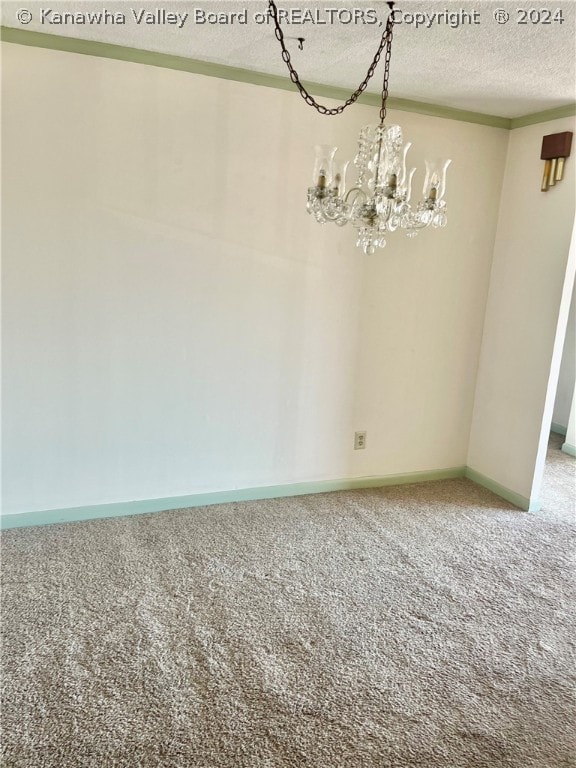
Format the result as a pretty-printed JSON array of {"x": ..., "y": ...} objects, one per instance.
[
  {"x": 175, "y": 323},
  {"x": 422, "y": 311},
  {"x": 570, "y": 443},
  {"x": 567, "y": 375},
  {"x": 526, "y": 318}
]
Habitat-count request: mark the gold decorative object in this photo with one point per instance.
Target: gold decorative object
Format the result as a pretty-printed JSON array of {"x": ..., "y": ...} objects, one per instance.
[{"x": 555, "y": 149}]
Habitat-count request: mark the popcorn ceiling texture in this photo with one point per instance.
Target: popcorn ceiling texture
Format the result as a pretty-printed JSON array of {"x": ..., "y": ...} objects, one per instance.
[
  {"x": 428, "y": 625},
  {"x": 507, "y": 69}
]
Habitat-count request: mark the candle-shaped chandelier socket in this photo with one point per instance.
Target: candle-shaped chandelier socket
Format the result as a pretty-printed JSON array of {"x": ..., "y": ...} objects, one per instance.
[
  {"x": 323, "y": 165},
  {"x": 435, "y": 181},
  {"x": 339, "y": 178},
  {"x": 391, "y": 177}
]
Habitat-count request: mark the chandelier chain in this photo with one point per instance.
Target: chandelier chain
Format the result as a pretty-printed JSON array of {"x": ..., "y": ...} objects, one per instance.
[
  {"x": 389, "y": 30},
  {"x": 385, "y": 42}
]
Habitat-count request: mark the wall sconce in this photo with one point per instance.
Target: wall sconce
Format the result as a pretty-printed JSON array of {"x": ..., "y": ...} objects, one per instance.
[{"x": 555, "y": 149}]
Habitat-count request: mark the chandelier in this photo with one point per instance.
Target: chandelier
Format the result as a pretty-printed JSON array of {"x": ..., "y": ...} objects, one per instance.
[{"x": 379, "y": 201}]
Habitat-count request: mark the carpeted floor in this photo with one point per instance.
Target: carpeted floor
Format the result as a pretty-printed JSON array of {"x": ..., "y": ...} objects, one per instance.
[
  {"x": 557, "y": 495},
  {"x": 428, "y": 625}
]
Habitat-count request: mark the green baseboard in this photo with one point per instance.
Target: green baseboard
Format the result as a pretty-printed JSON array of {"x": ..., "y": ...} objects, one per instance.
[
  {"x": 120, "y": 509},
  {"x": 569, "y": 449},
  {"x": 500, "y": 490},
  {"x": 144, "y": 506},
  {"x": 558, "y": 429}
]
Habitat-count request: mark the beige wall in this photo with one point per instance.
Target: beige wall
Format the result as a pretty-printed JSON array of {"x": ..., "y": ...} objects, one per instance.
[
  {"x": 175, "y": 323},
  {"x": 567, "y": 375},
  {"x": 422, "y": 310},
  {"x": 526, "y": 316},
  {"x": 570, "y": 444}
]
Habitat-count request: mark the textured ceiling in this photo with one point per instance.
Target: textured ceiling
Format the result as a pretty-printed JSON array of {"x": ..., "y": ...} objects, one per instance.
[{"x": 509, "y": 69}]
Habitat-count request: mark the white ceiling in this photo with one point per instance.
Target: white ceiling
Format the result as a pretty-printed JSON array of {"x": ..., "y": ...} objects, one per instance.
[{"x": 507, "y": 69}]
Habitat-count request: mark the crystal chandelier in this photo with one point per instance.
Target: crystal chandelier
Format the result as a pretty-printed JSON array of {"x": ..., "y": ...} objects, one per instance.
[{"x": 379, "y": 201}]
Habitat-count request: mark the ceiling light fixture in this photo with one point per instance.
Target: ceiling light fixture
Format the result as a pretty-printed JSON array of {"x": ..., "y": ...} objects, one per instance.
[{"x": 379, "y": 202}]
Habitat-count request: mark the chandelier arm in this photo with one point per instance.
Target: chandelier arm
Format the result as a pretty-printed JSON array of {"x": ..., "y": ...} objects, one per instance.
[
  {"x": 359, "y": 192},
  {"x": 385, "y": 42}
]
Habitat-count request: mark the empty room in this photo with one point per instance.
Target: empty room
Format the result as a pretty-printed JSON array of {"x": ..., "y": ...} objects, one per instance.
[{"x": 288, "y": 374}]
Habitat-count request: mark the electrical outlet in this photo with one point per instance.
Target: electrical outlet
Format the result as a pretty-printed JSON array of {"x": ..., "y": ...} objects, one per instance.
[{"x": 359, "y": 441}]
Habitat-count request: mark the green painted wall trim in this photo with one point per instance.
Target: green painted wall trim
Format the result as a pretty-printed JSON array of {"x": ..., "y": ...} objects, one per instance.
[
  {"x": 569, "y": 449},
  {"x": 449, "y": 113},
  {"x": 500, "y": 490},
  {"x": 543, "y": 117},
  {"x": 558, "y": 429},
  {"x": 183, "y": 64},
  {"x": 120, "y": 509}
]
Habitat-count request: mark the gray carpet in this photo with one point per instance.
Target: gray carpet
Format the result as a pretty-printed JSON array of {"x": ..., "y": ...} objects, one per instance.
[
  {"x": 427, "y": 625},
  {"x": 557, "y": 494}
]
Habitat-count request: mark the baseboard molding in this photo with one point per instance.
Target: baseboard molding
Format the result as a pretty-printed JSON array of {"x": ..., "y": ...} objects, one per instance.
[
  {"x": 144, "y": 506},
  {"x": 120, "y": 509},
  {"x": 569, "y": 449},
  {"x": 558, "y": 429},
  {"x": 500, "y": 490}
]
